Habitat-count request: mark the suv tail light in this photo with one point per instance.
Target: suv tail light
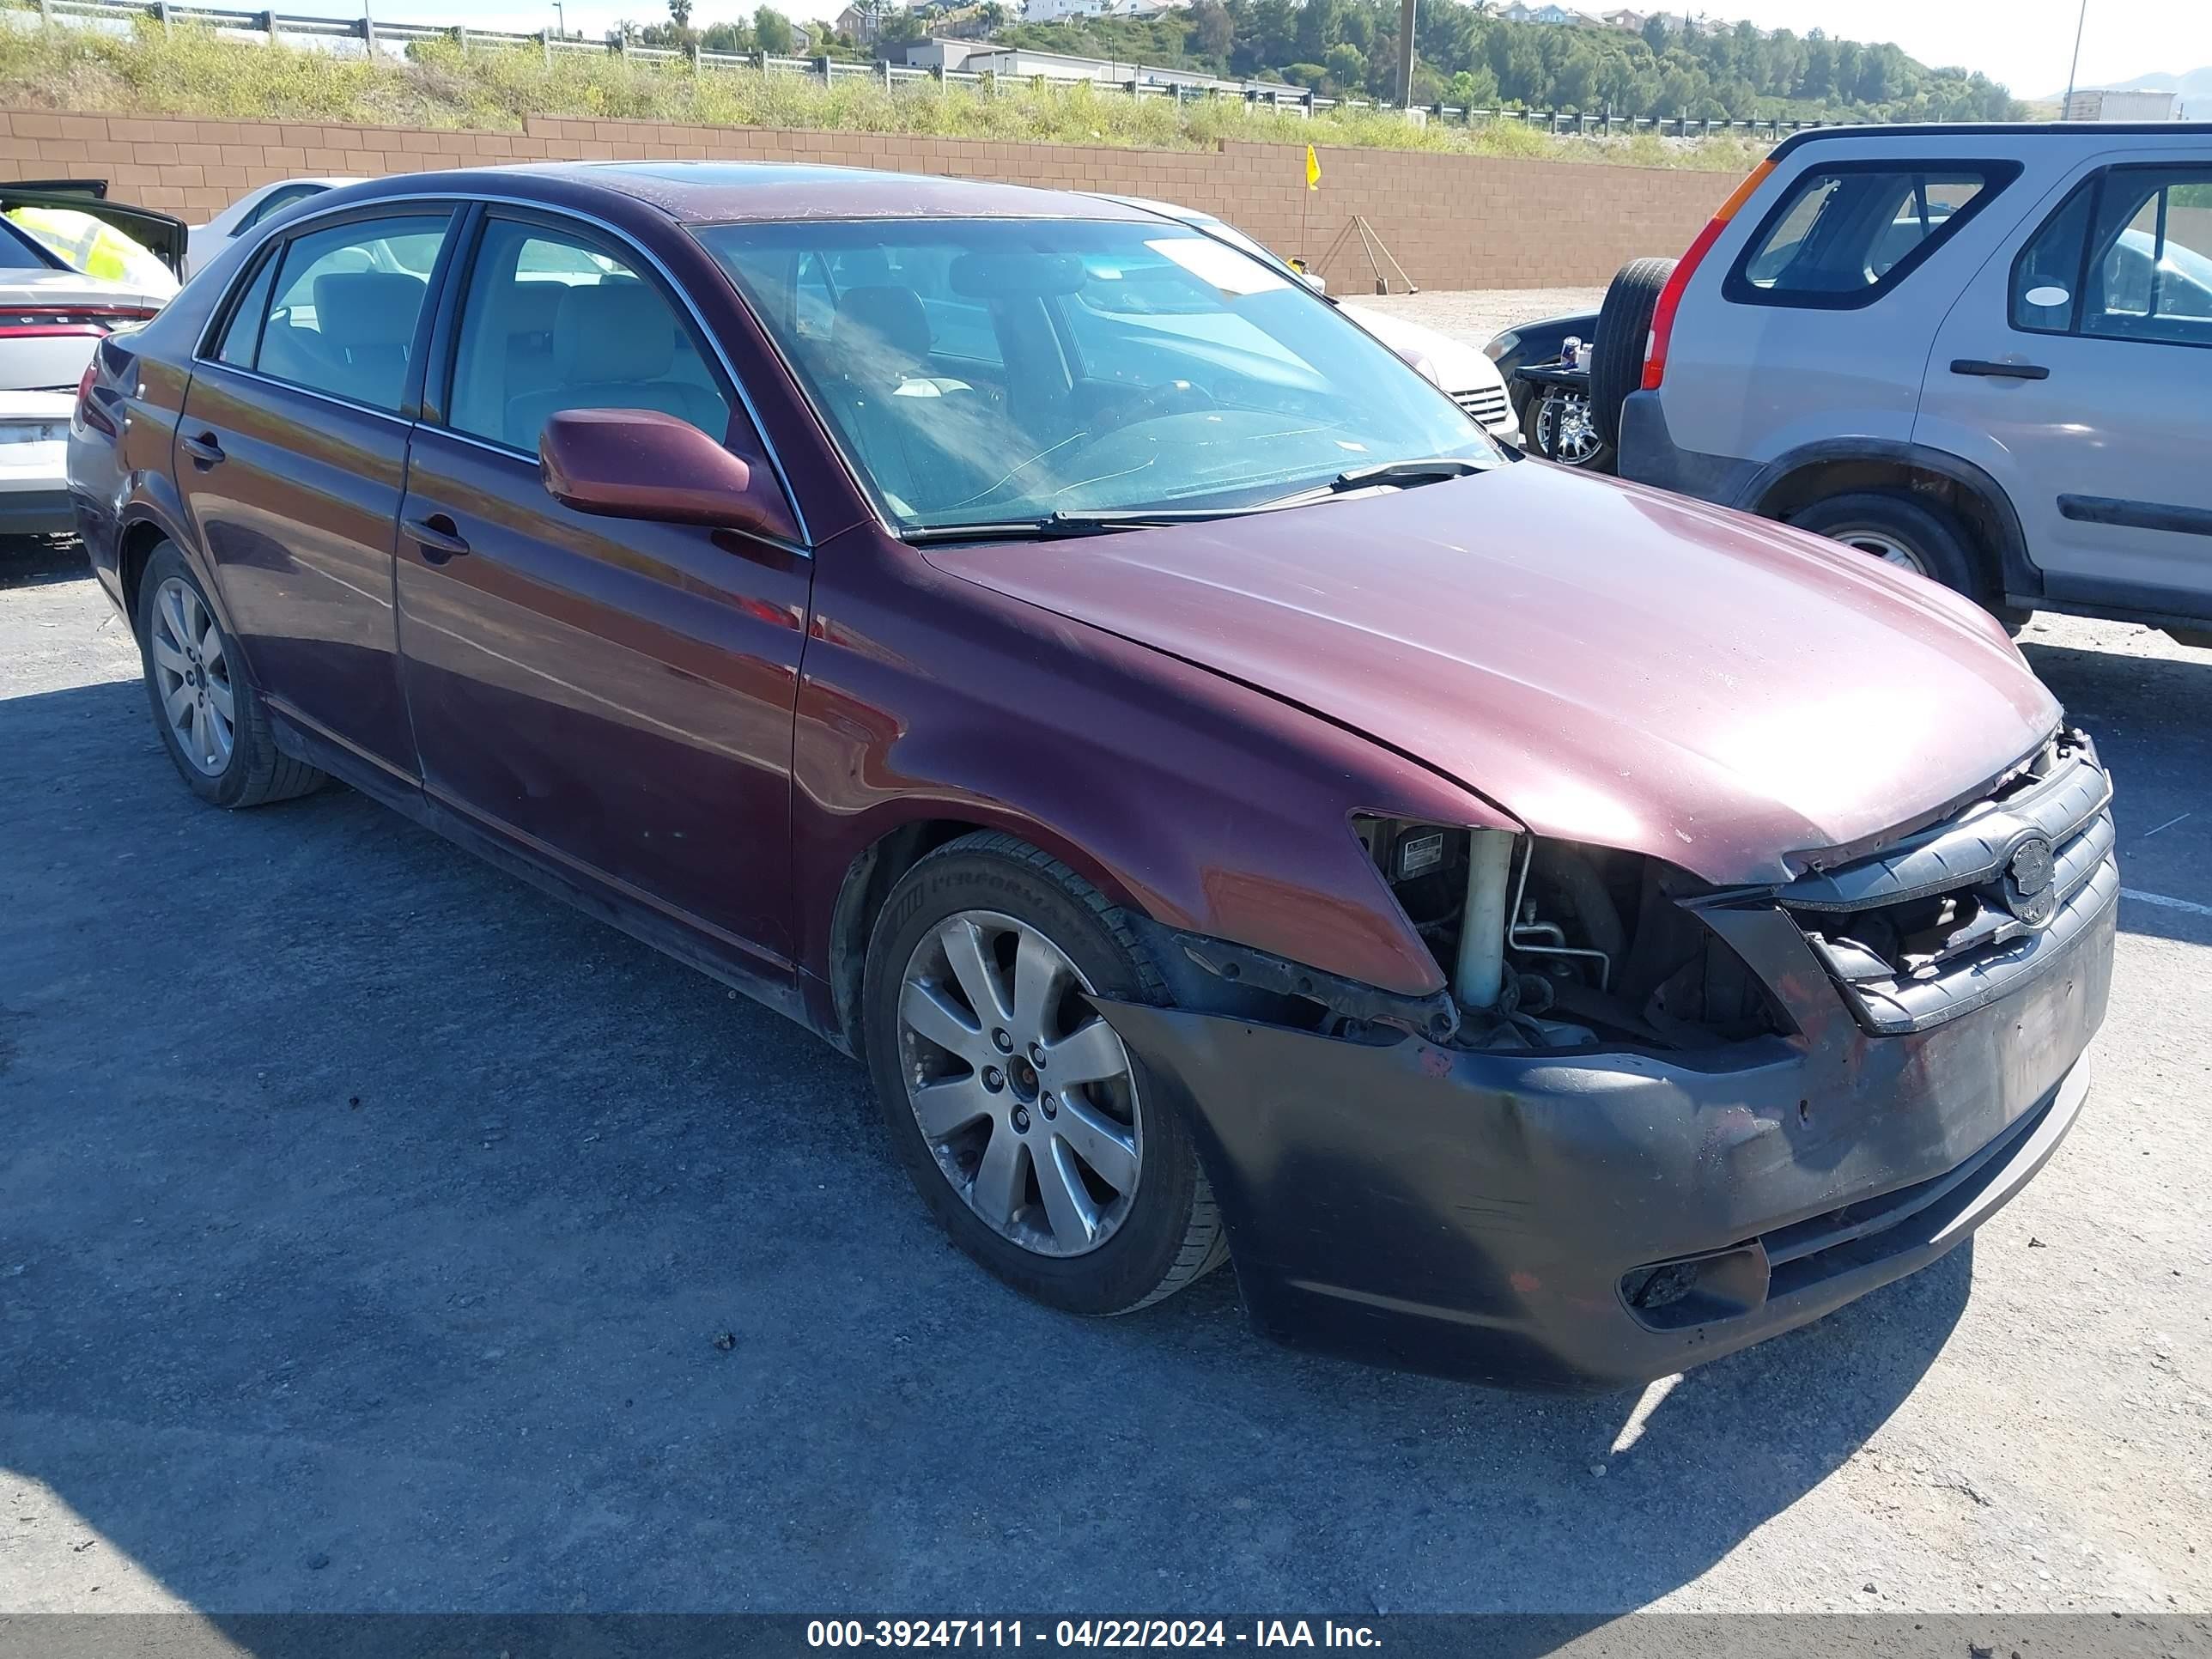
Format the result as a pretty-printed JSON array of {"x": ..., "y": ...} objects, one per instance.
[
  {"x": 49, "y": 322},
  {"x": 1670, "y": 297}
]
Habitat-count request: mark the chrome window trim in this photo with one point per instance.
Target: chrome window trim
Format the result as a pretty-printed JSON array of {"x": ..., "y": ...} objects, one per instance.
[
  {"x": 320, "y": 396},
  {"x": 304, "y": 222}
]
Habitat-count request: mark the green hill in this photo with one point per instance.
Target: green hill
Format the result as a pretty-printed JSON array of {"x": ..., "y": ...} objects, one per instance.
[{"x": 1467, "y": 57}]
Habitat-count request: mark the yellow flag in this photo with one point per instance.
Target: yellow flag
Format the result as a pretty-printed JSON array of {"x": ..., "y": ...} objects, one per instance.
[{"x": 1313, "y": 169}]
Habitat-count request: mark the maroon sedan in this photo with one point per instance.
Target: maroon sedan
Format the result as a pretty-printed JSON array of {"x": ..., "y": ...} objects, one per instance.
[{"x": 1536, "y": 928}]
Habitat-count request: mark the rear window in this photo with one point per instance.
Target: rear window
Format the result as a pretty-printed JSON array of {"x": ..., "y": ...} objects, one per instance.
[{"x": 1846, "y": 234}]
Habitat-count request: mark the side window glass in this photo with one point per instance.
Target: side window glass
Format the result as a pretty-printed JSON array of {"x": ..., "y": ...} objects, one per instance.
[
  {"x": 241, "y": 335},
  {"x": 2049, "y": 269},
  {"x": 276, "y": 201},
  {"x": 1844, "y": 236},
  {"x": 347, "y": 300},
  {"x": 2151, "y": 267},
  {"x": 552, "y": 322}
]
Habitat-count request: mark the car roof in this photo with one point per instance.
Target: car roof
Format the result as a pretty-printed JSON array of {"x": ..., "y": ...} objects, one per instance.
[
  {"x": 2090, "y": 132},
  {"x": 707, "y": 193}
]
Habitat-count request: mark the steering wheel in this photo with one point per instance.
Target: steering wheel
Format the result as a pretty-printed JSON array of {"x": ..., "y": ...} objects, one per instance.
[{"x": 1169, "y": 397}]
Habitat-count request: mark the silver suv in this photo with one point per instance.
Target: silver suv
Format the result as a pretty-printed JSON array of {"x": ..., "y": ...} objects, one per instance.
[{"x": 1985, "y": 352}]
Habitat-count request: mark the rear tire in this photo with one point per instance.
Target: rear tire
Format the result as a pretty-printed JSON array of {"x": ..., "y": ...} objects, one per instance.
[
  {"x": 1131, "y": 1219},
  {"x": 211, "y": 718},
  {"x": 1901, "y": 530},
  {"x": 1624, "y": 325}
]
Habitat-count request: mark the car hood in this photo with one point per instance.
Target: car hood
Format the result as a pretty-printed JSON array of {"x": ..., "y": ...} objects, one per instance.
[
  {"x": 1607, "y": 663},
  {"x": 1459, "y": 367}
]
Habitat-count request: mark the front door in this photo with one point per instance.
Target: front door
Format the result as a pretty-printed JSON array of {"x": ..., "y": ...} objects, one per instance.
[
  {"x": 612, "y": 696},
  {"x": 2076, "y": 370},
  {"x": 291, "y": 456}
]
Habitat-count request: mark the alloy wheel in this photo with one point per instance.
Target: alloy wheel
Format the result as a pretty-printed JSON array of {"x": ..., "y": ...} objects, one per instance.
[
  {"x": 192, "y": 675},
  {"x": 1564, "y": 431},
  {"x": 1024, "y": 1096}
]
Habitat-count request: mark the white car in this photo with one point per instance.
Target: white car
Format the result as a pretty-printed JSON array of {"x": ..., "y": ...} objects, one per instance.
[
  {"x": 73, "y": 268},
  {"x": 1471, "y": 379},
  {"x": 249, "y": 211}
]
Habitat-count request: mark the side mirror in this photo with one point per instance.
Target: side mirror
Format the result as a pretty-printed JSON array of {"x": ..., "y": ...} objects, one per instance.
[
  {"x": 641, "y": 463},
  {"x": 1314, "y": 280}
]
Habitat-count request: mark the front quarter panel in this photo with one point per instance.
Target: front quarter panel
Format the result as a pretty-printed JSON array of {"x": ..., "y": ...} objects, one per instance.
[{"x": 1203, "y": 804}]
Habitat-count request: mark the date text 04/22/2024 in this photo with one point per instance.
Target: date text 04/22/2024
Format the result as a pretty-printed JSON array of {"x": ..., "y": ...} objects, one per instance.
[{"x": 925, "y": 1633}]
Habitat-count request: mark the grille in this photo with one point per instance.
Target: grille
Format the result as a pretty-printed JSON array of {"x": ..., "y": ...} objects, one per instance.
[
  {"x": 1954, "y": 916},
  {"x": 1488, "y": 404}
]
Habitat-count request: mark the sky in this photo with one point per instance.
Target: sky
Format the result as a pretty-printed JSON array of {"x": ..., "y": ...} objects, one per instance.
[{"x": 2025, "y": 44}]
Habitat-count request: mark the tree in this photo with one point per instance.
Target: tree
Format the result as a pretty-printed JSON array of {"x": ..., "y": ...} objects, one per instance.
[
  {"x": 1347, "y": 67},
  {"x": 1475, "y": 87},
  {"x": 680, "y": 13},
  {"x": 1574, "y": 84},
  {"x": 1213, "y": 28},
  {"x": 772, "y": 29},
  {"x": 1316, "y": 31}
]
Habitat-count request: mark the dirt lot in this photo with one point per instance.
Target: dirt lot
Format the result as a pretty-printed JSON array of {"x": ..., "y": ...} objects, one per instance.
[
  {"x": 375, "y": 1233},
  {"x": 1476, "y": 314}
]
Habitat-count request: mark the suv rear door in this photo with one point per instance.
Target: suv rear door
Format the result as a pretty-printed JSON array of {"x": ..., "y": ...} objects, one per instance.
[
  {"x": 2074, "y": 370},
  {"x": 1815, "y": 325}
]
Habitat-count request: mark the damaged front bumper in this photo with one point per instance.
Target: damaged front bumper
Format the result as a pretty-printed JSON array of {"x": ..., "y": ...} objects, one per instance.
[{"x": 1595, "y": 1220}]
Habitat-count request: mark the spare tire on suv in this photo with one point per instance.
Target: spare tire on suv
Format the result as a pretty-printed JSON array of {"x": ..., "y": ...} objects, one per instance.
[{"x": 1624, "y": 325}]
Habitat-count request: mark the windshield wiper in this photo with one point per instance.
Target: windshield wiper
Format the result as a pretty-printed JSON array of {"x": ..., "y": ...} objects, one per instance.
[
  {"x": 1385, "y": 475},
  {"x": 1435, "y": 469},
  {"x": 1055, "y": 526}
]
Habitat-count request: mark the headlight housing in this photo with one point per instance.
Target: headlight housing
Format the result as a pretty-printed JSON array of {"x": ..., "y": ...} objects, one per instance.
[{"x": 1579, "y": 944}]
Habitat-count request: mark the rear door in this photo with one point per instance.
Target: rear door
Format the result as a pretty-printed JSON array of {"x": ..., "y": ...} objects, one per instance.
[
  {"x": 613, "y": 696},
  {"x": 2076, "y": 369},
  {"x": 1819, "y": 325},
  {"x": 291, "y": 455}
]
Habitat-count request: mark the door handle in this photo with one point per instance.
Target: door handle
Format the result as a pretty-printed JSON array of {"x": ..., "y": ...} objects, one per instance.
[
  {"x": 204, "y": 449},
  {"x": 1991, "y": 371},
  {"x": 438, "y": 536}
]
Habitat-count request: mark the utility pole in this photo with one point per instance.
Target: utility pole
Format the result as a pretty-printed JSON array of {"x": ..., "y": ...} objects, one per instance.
[
  {"x": 2066, "y": 110},
  {"x": 1406, "y": 52},
  {"x": 561, "y": 18}
]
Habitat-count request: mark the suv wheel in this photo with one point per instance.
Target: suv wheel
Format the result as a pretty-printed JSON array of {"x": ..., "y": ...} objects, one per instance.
[
  {"x": 1623, "y": 325},
  {"x": 1029, "y": 1130},
  {"x": 209, "y": 714},
  {"x": 1899, "y": 531}
]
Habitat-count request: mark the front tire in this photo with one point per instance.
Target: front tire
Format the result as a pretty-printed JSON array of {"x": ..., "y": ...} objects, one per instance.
[
  {"x": 211, "y": 719},
  {"x": 1041, "y": 1144}
]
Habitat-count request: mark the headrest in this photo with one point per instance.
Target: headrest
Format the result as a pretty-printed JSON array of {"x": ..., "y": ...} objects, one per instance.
[
  {"x": 619, "y": 331},
  {"x": 875, "y": 320},
  {"x": 534, "y": 307},
  {"x": 358, "y": 308}
]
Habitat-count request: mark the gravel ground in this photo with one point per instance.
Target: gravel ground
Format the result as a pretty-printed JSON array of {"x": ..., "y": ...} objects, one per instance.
[
  {"x": 377, "y": 1233},
  {"x": 1478, "y": 315}
]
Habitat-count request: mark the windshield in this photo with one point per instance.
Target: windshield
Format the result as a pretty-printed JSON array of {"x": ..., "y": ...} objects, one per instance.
[{"x": 980, "y": 371}]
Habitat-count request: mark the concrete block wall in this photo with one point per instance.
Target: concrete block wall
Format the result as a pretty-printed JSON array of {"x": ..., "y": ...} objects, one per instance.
[{"x": 1451, "y": 221}]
